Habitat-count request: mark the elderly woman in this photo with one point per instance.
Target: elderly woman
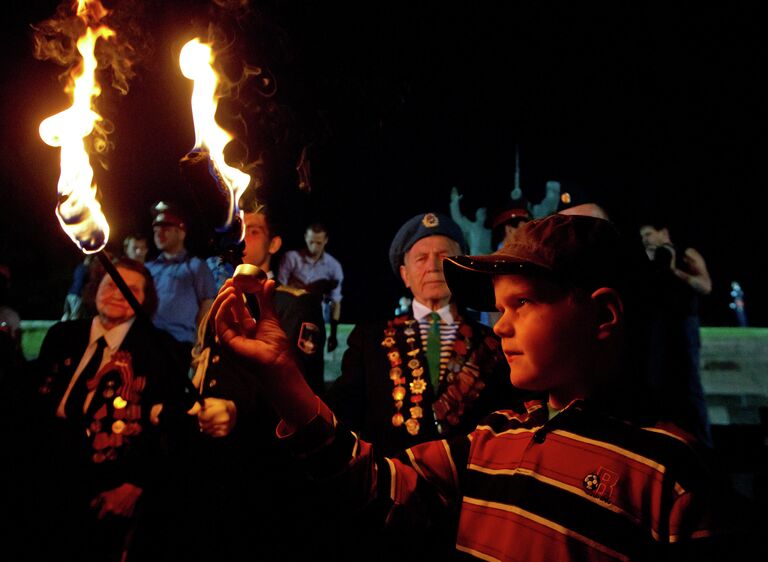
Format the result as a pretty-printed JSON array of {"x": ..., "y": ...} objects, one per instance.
[{"x": 89, "y": 429}]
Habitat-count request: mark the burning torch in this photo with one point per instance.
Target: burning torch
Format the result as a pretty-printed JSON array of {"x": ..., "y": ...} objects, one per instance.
[
  {"x": 215, "y": 185},
  {"x": 78, "y": 209}
]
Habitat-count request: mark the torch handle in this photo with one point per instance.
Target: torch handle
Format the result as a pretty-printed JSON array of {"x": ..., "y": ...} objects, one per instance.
[{"x": 141, "y": 315}]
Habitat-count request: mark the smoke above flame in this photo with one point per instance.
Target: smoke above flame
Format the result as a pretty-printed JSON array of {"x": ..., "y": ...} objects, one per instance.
[{"x": 71, "y": 39}]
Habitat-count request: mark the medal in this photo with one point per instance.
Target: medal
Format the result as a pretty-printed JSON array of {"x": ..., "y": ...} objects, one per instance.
[
  {"x": 414, "y": 364},
  {"x": 397, "y": 419},
  {"x": 412, "y": 426},
  {"x": 398, "y": 393},
  {"x": 418, "y": 386}
]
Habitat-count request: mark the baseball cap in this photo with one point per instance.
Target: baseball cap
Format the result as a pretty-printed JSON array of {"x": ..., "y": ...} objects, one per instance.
[
  {"x": 580, "y": 251},
  {"x": 421, "y": 226}
]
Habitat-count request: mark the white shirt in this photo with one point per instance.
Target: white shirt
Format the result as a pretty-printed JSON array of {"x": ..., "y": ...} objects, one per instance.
[
  {"x": 420, "y": 312},
  {"x": 114, "y": 339}
]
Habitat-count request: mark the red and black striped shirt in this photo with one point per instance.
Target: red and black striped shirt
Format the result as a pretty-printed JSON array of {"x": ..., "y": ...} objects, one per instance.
[{"x": 581, "y": 486}]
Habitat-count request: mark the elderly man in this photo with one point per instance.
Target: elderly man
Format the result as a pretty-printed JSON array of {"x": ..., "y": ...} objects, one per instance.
[
  {"x": 426, "y": 374},
  {"x": 185, "y": 285}
]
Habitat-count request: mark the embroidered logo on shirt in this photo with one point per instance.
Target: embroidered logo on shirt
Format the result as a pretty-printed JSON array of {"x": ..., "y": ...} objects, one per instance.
[{"x": 601, "y": 484}]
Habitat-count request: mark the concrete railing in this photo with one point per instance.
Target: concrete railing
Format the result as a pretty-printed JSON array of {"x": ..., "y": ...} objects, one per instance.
[{"x": 734, "y": 367}]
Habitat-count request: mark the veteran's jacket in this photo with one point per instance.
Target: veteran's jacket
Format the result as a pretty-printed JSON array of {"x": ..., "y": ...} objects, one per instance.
[
  {"x": 384, "y": 390},
  {"x": 114, "y": 442}
]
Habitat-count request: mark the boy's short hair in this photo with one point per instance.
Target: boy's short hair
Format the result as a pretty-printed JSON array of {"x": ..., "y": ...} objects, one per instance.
[{"x": 576, "y": 251}]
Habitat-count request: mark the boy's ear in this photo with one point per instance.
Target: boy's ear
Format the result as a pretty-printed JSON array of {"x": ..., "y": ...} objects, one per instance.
[{"x": 610, "y": 312}]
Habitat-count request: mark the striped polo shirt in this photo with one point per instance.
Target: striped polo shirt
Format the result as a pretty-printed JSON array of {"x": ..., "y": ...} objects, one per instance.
[{"x": 580, "y": 486}]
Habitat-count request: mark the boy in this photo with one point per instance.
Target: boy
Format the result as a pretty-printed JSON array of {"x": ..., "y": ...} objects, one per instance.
[{"x": 570, "y": 482}]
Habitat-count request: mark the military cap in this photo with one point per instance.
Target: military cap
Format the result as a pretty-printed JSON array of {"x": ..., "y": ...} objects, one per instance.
[
  {"x": 421, "y": 226},
  {"x": 512, "y": 213},
  {"x": 164, "y": 213}
]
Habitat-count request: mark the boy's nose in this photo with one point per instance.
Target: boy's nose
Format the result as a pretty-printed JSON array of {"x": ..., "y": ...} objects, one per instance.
[{"x": 504, "y": 327}]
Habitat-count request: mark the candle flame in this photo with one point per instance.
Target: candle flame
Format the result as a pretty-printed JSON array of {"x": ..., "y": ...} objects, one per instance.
[
  {"x": 196, "y": 63},
  {"x": 78, "y": 210}
]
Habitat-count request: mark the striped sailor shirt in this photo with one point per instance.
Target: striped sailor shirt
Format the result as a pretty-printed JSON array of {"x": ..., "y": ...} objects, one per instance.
[
  {"x": 582, "y": 485},
  {"x": 448, "y": 327}
]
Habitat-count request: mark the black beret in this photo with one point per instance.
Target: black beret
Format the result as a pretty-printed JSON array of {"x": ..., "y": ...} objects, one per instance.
[{"x": 421, "y": 226}]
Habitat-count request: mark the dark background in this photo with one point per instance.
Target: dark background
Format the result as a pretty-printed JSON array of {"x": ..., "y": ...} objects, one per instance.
[{"x": 650, "y": 110}]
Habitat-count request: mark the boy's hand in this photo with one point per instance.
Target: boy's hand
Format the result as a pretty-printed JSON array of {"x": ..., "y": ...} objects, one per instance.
[{"x": 263, "y": 342}]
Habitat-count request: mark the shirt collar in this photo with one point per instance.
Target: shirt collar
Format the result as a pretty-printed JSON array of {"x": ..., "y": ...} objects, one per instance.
[
  {"x": 420, "y": 312},
  {"x": 114, "y": 337},
  {"x": 309, "y": 259},
  {"x": 178, "y": 258}
]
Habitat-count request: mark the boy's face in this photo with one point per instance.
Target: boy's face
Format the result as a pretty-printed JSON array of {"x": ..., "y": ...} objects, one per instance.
[{"x": 546, "y": 334}]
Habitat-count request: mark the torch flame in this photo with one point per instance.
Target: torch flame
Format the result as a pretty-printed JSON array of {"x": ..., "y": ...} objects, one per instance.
[
  {"x": 196, "y": 63},
  {"x": 78, "y": 210}
]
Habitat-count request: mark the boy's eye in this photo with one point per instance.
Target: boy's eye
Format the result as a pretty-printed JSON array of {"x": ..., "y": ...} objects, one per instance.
[{"x": 521, "y": 301}]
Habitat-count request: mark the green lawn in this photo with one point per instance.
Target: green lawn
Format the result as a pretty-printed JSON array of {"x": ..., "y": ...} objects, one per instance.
[{"x": 33, "y": 332}]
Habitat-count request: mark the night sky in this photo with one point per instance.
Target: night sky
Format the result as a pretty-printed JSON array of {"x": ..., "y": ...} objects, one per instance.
[{"x": 651, "y": 111}]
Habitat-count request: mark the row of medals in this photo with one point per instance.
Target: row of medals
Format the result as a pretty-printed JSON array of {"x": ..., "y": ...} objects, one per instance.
[{"x": 417, "y": 386}]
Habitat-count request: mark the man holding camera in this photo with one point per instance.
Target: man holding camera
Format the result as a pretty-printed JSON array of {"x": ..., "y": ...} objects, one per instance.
[{"x": 680, "y": 279}]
